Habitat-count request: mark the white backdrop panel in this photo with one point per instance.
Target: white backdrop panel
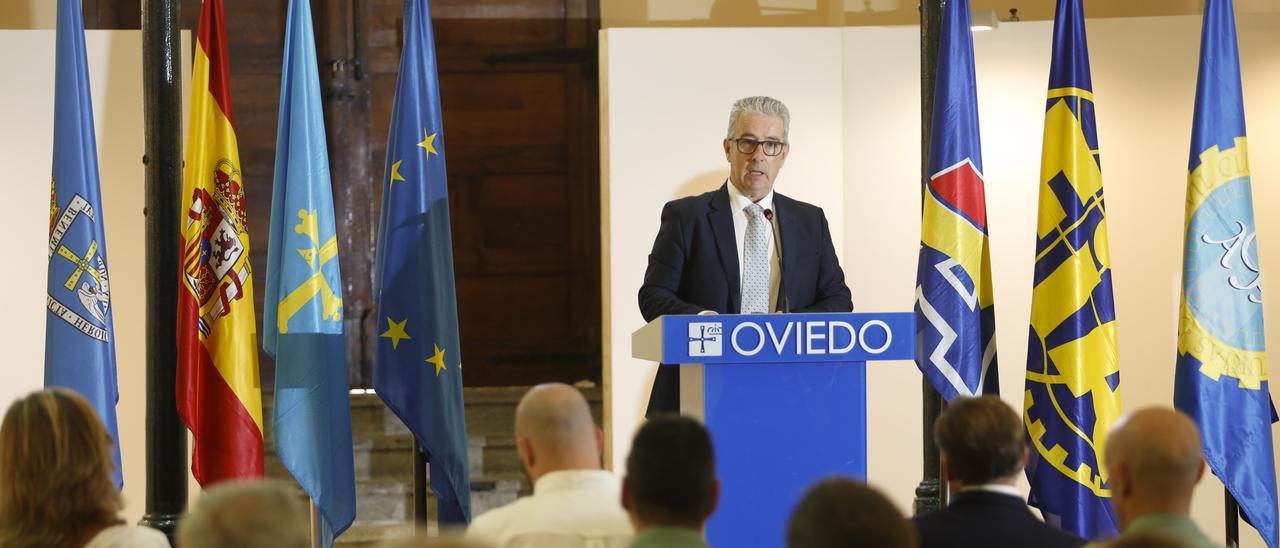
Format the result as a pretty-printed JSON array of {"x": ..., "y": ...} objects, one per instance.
[
  {"x": 1144, "y": 79},
  {"x": 666, "y": 95}
]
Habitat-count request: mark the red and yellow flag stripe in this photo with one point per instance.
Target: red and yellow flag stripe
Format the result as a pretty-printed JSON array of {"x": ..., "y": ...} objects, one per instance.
[{"x": 219, "y": 391}]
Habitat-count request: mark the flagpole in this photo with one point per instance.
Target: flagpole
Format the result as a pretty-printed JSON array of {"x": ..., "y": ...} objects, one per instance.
[
  {"x": 930, "y": 495},
  {"x": 315, "y": 525},
  {"x": 166, "y": 437},
  {"x": 419, "y": 489},
  {"x": 1233, "y": 520}
]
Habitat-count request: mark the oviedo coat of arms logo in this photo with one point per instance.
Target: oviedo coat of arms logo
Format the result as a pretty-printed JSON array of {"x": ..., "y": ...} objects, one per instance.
[
  {"x": 87, "y": 282},
  {"x": 215, "y": 259}
]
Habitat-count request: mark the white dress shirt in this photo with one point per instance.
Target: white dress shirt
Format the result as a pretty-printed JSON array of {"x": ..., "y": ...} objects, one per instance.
[
  {"x": 738, "y": 202},
  {"x": 128, "y": 536},
  {"x": 1000, "y": 488},
  {"x": 583, "y": 504}
]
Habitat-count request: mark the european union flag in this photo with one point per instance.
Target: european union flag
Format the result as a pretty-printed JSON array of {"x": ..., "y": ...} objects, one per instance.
[
  {"x": 1221, "y": 372},
  {"x": 302, "y": 321},
  {"x": 1073, "y": 369},
  {"x": 955, "y": 307},
  {"x": 79, "y": 346},
  {"x": 417, "y": 365}
]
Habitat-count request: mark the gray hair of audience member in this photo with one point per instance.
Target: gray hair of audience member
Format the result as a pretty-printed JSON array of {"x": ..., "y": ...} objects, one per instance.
[
  {"x": 555, "y": 431},
  {"x": 767, "y": 106},
  {"x": 247, "y": 514},
  {"x": 982, "y": 440},
  {"x": 838, "y": 512}
]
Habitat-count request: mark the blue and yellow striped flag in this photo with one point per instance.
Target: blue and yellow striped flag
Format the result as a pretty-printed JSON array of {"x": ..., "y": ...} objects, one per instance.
[
  {"x": 1073, "y": 371},
  {"x": 1221, "y": 378}
]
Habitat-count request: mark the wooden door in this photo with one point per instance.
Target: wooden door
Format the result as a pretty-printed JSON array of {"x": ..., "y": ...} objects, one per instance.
[{"x": 520, "y": 101}]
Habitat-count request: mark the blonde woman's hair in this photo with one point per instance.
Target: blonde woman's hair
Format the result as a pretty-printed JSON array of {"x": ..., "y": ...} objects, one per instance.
[{"x": 56, "y": 469}]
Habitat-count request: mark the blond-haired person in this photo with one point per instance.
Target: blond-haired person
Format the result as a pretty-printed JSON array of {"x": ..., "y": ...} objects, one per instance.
[{"x": 56, "y": 489}]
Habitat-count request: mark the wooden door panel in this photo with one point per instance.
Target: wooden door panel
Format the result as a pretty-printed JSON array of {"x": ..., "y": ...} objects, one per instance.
[
  {"x": 520, "y": 107},
  {"x": 495, "y": 110}
]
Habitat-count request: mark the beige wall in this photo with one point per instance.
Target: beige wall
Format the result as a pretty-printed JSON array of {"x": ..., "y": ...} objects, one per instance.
[
  {"x": 1144, "y": 80},
  {"x": 775, "y": 13},
  {"x": 26, "y": 151},
  {"x": 28, "y": 14}
]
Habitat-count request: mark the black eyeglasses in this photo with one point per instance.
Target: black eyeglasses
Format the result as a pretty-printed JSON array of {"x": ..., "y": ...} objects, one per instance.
[{"x": 747, "y": 145}]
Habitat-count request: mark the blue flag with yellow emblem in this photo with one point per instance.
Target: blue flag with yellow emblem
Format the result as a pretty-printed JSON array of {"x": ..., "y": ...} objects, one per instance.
[
  {"x": 417, "y": 364},
  {"x": 79, "y": 345},
  {"x": 302, "y": 320},
  {"x": 1221, "y": 378},
  {"x": 955, "y": 308},
  {"x": 1073, "y": 370}
]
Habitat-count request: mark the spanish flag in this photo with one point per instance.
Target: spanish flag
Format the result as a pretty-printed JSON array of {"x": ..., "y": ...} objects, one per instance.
[{"x": 219, "y": 392}]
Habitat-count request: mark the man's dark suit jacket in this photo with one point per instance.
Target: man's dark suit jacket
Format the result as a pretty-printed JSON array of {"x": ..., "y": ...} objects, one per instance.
[
  {"x": 983, "y": 518},
  {"x": 694, "y": 267}
]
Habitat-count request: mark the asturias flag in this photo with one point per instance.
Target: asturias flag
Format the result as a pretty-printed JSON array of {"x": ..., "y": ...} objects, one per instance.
[
  {"x": 1221, "y": 378},
  {"x": 302, "y": 323},
  {"x": 79, "y": 345},
  {"x": 955, "y": 310},
  {"x": 219, "y": 391},
  {"x": 417, "y": 365},
  {"x": 1073, "y": 369}
]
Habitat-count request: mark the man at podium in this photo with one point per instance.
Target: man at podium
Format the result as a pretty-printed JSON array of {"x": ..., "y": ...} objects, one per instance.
[{"x": 741, "y": 248}]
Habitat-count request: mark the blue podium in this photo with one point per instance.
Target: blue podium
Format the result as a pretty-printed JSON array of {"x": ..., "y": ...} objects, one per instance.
[{"x": 784, "y": 396}]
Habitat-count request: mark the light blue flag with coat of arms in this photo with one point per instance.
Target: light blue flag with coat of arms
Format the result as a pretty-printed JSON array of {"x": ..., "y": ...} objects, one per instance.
[
  {"x": 1221, "y": 378},
  {"x": 79, "y": 344},
  {"x": 302, "y": 321}
]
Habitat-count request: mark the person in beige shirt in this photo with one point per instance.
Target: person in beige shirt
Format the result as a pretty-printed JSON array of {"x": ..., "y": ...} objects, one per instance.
[{"x": 574, "y": 501}]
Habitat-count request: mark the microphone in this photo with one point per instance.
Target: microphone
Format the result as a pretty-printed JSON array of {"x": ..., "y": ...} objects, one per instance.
[{"x": 782, "y": 274}]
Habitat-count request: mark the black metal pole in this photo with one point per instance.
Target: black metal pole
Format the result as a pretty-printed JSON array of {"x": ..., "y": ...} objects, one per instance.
[
  {"x": 162, "y": 98},
  {"x": 419, "y": 489},
  {"x": 930, "y": 494},
  {"x": 1233, "y": 520}
]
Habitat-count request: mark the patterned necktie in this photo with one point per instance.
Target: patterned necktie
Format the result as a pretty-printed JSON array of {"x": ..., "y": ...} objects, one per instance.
[{"x": 755, "y": 263}]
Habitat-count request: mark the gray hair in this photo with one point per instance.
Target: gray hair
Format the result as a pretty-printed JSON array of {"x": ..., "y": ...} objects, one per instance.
[
  {"x": 759, "y": 104},
  {"x": 247, "y": 514}
]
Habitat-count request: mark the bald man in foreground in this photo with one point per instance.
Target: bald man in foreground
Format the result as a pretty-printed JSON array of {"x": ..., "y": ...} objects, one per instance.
[
  {"x": 1154, "y": 459},
  {"x": 574, "y": 502}
]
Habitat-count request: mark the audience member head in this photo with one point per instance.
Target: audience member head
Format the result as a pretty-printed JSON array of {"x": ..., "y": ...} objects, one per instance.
[
  {"x": 838, "y": 512},
  {"x": 981, "y": 441},
  {"x": 247, "y": 514},
  {"x": 555, "y": 431},
  {"x": 1153, "y": 458},
  {"x": 671, "y": 475},
  {"x": 56, "y": 485}
]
